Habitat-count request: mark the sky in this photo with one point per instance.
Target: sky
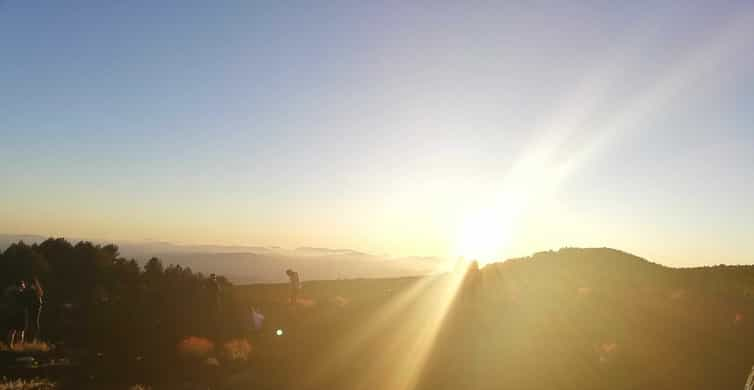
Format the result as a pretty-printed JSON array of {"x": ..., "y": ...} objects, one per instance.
[{"x": 479, "y": 130}]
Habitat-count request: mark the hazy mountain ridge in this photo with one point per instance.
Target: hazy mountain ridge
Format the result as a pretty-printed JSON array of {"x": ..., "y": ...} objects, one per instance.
[{"x": 253, "y": 264}]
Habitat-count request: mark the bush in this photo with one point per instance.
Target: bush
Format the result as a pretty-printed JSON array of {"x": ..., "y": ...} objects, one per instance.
[{"x": 195, "y": 347}]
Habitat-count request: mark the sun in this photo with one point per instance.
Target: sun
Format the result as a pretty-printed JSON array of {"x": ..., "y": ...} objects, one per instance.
[{"x": 483, "y": 235}]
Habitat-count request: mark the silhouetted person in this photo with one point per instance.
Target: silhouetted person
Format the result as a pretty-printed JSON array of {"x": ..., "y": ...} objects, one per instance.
[
  {"x": 257, "y": 319},
  {"x": 214, "y": 286},
  {"x": 35, "y": 299},
  {"x": 19, "y": 315},
  {"x": 295, "y": 284},
  {"x": 214, "y": 295}
]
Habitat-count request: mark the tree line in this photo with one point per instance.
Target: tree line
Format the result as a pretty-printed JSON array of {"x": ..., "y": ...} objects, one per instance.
[{"x": 97, "y": 299}]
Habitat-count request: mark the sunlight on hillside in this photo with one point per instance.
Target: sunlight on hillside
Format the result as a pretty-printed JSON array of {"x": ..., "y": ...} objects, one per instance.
[
  {"x": 380, "y": 195},
  {"x": 421, "y": 311},
  {"x": 410, "y": 348}
]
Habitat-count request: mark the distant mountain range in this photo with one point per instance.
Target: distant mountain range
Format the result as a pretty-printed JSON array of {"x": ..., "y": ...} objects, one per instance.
[{"x": 261, "y": 264}]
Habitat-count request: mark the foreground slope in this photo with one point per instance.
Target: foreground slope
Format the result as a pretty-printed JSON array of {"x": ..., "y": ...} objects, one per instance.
[
  {"x": 571, "y": 319},
  {"x": 568, "y": 319}
]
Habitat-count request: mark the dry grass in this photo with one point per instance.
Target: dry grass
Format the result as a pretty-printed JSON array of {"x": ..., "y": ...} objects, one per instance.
[
  {"x": 237, "y": 349},
  {"x": 212, "y": 361},
  {"x": 26, "y": 384},
  {"x": 306, "y": 302},
  {"x": 340, "y": 301}
]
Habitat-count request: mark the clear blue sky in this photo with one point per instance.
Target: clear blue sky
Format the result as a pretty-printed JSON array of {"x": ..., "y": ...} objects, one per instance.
[{"x": 392, "y": 128}]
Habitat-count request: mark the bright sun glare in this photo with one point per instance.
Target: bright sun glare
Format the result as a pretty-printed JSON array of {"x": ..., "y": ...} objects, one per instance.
[{"x": 483, "y": 235}]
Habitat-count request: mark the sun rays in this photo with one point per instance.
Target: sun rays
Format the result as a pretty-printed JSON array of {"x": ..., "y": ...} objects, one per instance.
[
  {"x": 407, "y": 326},
  {"x": 485, "y": 230}
]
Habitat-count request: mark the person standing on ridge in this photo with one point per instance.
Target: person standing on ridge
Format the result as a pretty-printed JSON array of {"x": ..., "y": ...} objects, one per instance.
[
  {"x": 19, "y": 315},
  {"x": 212, "y": 322},
  {"x": 35, "y": 298},
  {"x": 295, "y": 284},
  {"x": 214, "y": 292},
  {"x": 213, "y": 286}
]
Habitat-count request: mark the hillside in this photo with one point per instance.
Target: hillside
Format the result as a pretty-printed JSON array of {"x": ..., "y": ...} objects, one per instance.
[{"x": 569, "y": 319}]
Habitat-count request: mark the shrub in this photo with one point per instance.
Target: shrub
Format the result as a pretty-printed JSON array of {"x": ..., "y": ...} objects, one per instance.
[
  {"x": 37, "y": 346},
  {"x": 195, "y": 347}
]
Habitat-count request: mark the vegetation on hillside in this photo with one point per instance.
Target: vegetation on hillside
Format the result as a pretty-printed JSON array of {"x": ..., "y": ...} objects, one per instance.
[
  {"x": 97, "y": 303},
  {"x": 569, "y": 319}
]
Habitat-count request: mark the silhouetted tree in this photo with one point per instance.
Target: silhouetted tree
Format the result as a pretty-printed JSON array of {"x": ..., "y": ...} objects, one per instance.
[{"x": 95, "y": 297}]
